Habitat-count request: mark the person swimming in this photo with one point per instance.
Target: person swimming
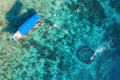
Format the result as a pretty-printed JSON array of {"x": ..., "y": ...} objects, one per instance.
[
  {"x": 98, "y": 50},
  {"x": 52, "y": 25}
]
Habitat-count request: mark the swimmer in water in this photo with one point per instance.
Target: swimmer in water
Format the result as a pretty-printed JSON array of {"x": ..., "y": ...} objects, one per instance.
[
  {"x": 52, "y": 25},
  {"x": 100, "y": 49}
]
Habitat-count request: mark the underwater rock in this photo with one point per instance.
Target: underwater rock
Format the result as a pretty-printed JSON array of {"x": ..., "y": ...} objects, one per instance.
[{"x": 84, "y": 54}]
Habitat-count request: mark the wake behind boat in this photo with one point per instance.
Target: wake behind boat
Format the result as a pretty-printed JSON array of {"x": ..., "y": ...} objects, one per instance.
[{"x": 27, "y": 27}]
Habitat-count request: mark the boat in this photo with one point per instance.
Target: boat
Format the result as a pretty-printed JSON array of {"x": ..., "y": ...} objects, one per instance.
[{"x": 27, "y": 27}]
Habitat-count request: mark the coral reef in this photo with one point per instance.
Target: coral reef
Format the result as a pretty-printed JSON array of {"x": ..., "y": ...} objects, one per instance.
[{"x": 50, "y": 53}]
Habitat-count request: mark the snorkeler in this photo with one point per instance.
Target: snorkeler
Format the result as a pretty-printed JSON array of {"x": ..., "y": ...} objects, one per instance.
[
  {"x": 52, "y": 25},
  {"x": 98, "y": 50}
]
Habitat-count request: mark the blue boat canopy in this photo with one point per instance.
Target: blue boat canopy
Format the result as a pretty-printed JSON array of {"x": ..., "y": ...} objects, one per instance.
[{"x": 29, "y": 24}]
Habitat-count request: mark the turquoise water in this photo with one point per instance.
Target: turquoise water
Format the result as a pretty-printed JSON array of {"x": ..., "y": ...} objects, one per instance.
[{"x": 53, "y": 53}]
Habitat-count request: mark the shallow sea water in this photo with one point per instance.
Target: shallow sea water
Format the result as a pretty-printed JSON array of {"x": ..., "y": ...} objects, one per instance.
[{"x": 50, "y": 53}]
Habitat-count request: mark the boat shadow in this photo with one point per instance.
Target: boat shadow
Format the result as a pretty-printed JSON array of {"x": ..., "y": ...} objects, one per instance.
[{"x": 15, "y": 18}]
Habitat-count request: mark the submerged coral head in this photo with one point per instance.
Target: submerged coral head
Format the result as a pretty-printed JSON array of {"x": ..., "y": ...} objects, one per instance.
[{"x": 84, "y": 54}]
